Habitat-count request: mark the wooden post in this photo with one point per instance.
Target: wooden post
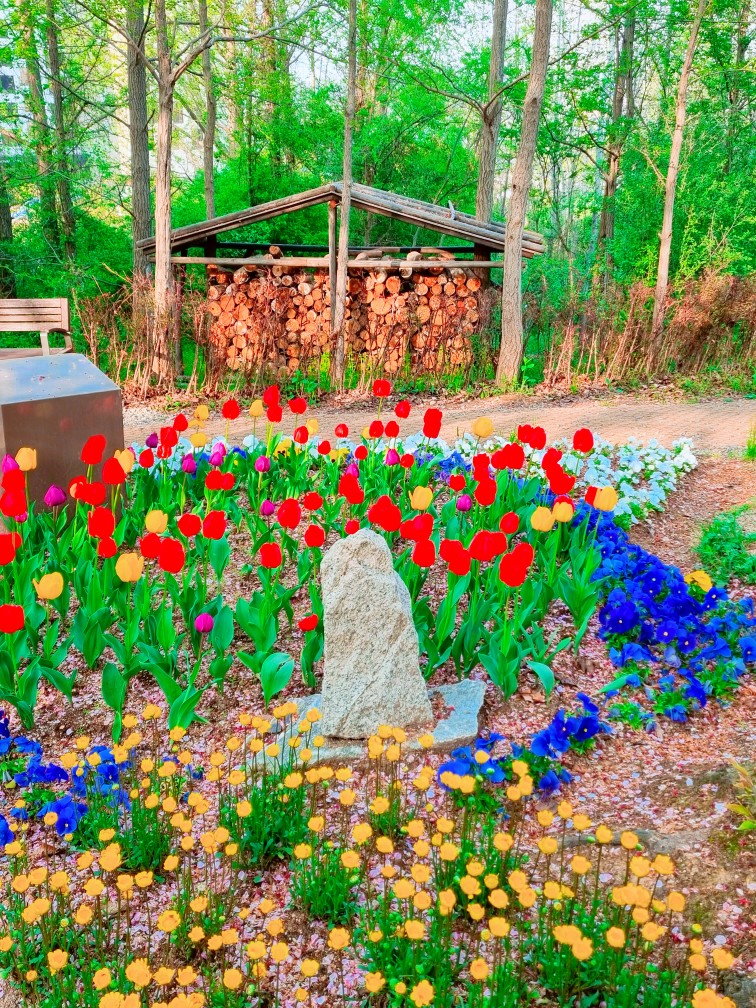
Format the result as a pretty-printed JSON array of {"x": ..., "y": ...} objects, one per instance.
[{"x": 332, "y": 259}]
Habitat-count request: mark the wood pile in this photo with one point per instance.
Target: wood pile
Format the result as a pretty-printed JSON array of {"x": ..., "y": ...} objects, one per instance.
[{"x": 280, "y": 316}]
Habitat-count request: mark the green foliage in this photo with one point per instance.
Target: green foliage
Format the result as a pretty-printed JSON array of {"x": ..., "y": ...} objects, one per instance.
[{"x": 724, "y": 549}]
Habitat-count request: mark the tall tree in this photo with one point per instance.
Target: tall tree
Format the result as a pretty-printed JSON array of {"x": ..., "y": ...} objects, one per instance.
[
  {"x": 7, "y": 273},
  {"x": 139, "y": 146},
  {"x": 60, "y": 134},
  {"x": 338, "y": 310},
  {"x": 511, "y": 349},
  {"x": 208, "y": 127},
  {"x": 670, "y": 185},
  {"x": 490, "y": 125}
]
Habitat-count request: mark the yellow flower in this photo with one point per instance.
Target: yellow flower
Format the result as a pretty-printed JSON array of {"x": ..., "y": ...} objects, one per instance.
[
  {"x": 83, "y": 915},
  {"x": 26, "y": 459},
  {"x": 551, "y": 890},
  {"x": 168, "y": 921},
  {"x": 422, "y": 994},
  {"x": 129, "y": 567},
  {"x": 309, "y": 967},
  {"x": 101, "y": 979},
  {"x": 6, "y": 943},
  {"x": 138, "y": 972},
  {"x": 350, "y": 859},
  {"x": 483, "y": 427},
  {"x": 125, "y": 458},
  {"x": 567, "y": 934},
  {"x": 233, "y": 979},
  {"x": 499, "y": 927},
  {"x": 302, "y": 851},
  {"x": 580, "y": 865},
  {"x": 186, "y": 976},
  {"x": 722, "y": 959},
  {"x": 527, "y": 897},
  {"x": 426, "y": 740},
  {"x": 581, "y": 822},
  {"x": 518, "y": 880},
  {"x": 156, "y": 521},
  {"x": 421, "y": 498},
  {"x": 663, "y": 864},
  {"x": 279, "y": 951},
  {"x": 503, "y": 841},
  {"x": 652, "y": 932},
  {"x": 448, "y": 851},
  {"x": 57, "y": 959},
  {"x": 198, "y": 439},
  {"x": 603, "y": 835},
  {"x": 110, "y": 858},
  {"x": 697, "y": 962},
  {"x": 338, "y": 939},
  {"x": 201, "y": 413},
  {"x": 163, "y": 976},
  {"x": 548, "y": 845},
  {"x": 615, "y": 937},
  {"x": 701, "y": 578},
  {"x": 49, "y": 586},
  {"x": 94, "y": 887},
  {"x": 374, "y": 982},
  {"x": 583, "y": 949},
  {"x": 414, "y": 929},
  {"x": 563, "y": 512},
  {"x": 606, "y": 499},
  {"x": 479, "y": 969},
  {"x": 361, "y": 832},
  {"x": 542, "y": 520},
  {"x": 256, "y": 409},
  {"x": 629, "y": 840}
]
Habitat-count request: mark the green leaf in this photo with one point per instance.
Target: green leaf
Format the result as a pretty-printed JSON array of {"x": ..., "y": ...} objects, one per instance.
[
  {"x": 275, "y": 674},
  {"x": 545, "y": 675},
  {"x": 223, "y": 630}
]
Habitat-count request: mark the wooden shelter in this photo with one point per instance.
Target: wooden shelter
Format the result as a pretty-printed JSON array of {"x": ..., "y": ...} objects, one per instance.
[{"x": 271, "y": 304}]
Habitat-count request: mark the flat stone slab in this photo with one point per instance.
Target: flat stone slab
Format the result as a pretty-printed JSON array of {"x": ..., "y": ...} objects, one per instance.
[{"x": 460, "y": 727}]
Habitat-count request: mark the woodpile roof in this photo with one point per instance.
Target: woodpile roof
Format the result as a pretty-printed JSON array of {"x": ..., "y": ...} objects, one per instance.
[{"x": 444, "y": 220}]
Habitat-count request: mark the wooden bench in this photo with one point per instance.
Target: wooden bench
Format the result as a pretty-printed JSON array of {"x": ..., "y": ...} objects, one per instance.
[{"x": 42, "y": 315}]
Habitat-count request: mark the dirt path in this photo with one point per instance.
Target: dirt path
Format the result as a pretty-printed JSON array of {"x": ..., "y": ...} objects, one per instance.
[{"x": 716, "y": 426}]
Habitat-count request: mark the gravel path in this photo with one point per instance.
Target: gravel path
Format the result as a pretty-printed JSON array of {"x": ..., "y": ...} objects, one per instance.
[{"x": 716, "y": 425}]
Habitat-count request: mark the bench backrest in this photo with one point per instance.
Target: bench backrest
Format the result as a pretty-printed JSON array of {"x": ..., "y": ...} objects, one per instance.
[{"x": 34, "y": 315}]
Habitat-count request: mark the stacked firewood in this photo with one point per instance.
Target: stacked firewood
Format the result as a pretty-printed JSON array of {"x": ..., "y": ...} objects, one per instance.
[{"x": 280, "y": 316}]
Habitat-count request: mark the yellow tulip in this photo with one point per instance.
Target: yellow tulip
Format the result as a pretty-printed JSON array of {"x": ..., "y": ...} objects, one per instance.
[
  {"x": 26, "y": 459},
  {"x": 201, "y": 413},
  {"x": 257, "y": 409},
  {"x": 126, "y": 459},
  {"x": 198, "y": 439},
  {"x": 313, "y": 425},
  {"x": 129, "y": 566},
  {"x": 542, "y": 520},
  {"x": 563, "y": 511},
  {"x": 49, "y": 586},
  {"x": 483, "y": 427},
  {"x": 156, "y": 521},
  {"x": 421, "y": 498},
  {"x": 606, "y": 499}
]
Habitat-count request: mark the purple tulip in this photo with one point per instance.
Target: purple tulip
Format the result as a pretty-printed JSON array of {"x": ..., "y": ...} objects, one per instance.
[
  {"x": 352, "y": 469},
  {"x": 55, "y": 496},
  {"x": 267, "y": 508},
  {"x": 216, "y": 457},
  {"x": 8, "y": 463},
  {"x": 189, "y": 465},
  {"x": 262, "y": 464},
  {"x": 204, "y": 623},
  {"x": 392, "y": 457},
  {"x": 152, "y": 440},
  {"x": 464, "y": 502}
]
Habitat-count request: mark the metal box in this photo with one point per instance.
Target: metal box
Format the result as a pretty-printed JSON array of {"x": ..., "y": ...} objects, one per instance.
[{"x": 54, "y": 404}]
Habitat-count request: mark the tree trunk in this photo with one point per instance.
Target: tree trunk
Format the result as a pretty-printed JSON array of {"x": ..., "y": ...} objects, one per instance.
[
  {"x": 670, "y": 187},
  {"x": 511, "y": 349},
  {"x": 208, "y": 135},
  {"x": 491, "y": 120},
  {"x": 622, "y": 105},
  {"x": 7, "y": 273},
  {"x": 40, "y": 134},
  {"x": 163, "y": 356},
  {"x": 338, "y": 311},
  {"x": 62, "y": 166},
  {"x": 141, "y": 212}
]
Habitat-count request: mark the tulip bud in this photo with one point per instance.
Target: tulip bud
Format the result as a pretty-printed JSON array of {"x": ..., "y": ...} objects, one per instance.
[
  {"x": 129, "y": 566},
  {"x": 189, "y": 465},
  {"x": 483, "y": 427},
  {"x": 49, "y": 586},
  {"x": 262, "y": 464},
  {"x": 198, "y": 439},
  {"x": 257, "y": 409},
  {"x": 542, "y": 520},
  {"x": 26, "y": 459},
  {"x": 392, "y": 457},
  {"x": 464, "y": 502},
  {"x": 156, "y": 521},
  {"x": 152, "y": 440},
  {"x": 204, "y": 623},
  {"x": 8, "y": 463},
  {"x": 421, "y": 498},
  {"x": 267, "y": 508},
  {"x": 55, "y": 496}
]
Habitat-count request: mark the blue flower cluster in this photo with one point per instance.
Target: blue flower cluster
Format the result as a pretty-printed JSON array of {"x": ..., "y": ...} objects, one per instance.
[
  {"x": 566, "y": 731},
  {"x": 698, "y": 644}
]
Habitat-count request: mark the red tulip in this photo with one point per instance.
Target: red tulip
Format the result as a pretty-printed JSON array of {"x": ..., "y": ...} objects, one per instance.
[
  {"x": 312, "y": 501},
  {"x": 180, "y": 423},
  {"x": 485, "y": 492},
  {"x": 168, "y": 437},
  {"x": 314, "y": 536},
  {"x": 341, "y": 430},
  {"x": 560, "y": 482},
  {"x": 164, "y": 451},
  {"x": 402, "y": 409},
  {"x": 509, "y": 456},
  {"x": 271, "y": 395},
  {"x": 9, "y": 544},
  {"x": 13, "y": 504},
  {"x": 361, "y": 453},
  {"x": 146, "y": 458},
  {"x": 407, "y": 461},
  {"x": 510, "y": 522},
  {"x": 228, "y": 480},
  {"x": 113, "y": 472},
  {"x": 457, "y": 481},
  {"x": 350, "y": 489},
  {"x": 308, "y": 622},
  {"x": 432, "y": 423},
  {"x": 385, "y": 514},
  {"x": 582, "y": 440},
  {"x": 14, "y": 480},
  {"x": 274, "y": 413},
  {"x": 381, "y": 388},
  {"x": 424, "y": 553},
  {"x": 190, "y": 524},
  {"x": 324, "y": 448},
  {"x": 270, "y": 555},
  {"x": 230, "y": 409},
  {"x": 482, "y": 546},
  {"x": 214, "y": 480},
  {"x": 214, "y": 524},
  {"x": 149, "y": 545},
  {"x": 392, "y": 429},
  {"x": 456, "y": 556},
  {"x": 106, "y": 548},
  {"x": 11, "y": 618},
  {"x": 171, "y": 555},
  {"x": 352, "y": 526},
  {"x": 552, "y": 456},
  {"x": 590, "y": 494},
  {"x": 481, "y": 464},
  {"x": 301, "y": 435},
  {"x": 298, "y": 405},
  {"x": 375, "y": 430},
  {"x": 101, "y": 523},
  {"x": 418, "y": 528},
  {"x": 513, "y": 567},
  {"x": 91, "y": 453},
  {"x": 289, "y": 513}
]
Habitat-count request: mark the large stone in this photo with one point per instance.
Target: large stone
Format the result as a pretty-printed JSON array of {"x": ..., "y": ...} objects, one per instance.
[{"x": 371, "y": 670}]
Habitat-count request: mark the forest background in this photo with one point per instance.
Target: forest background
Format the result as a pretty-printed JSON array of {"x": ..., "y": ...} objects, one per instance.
[{"x": 253, "y": 98}]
